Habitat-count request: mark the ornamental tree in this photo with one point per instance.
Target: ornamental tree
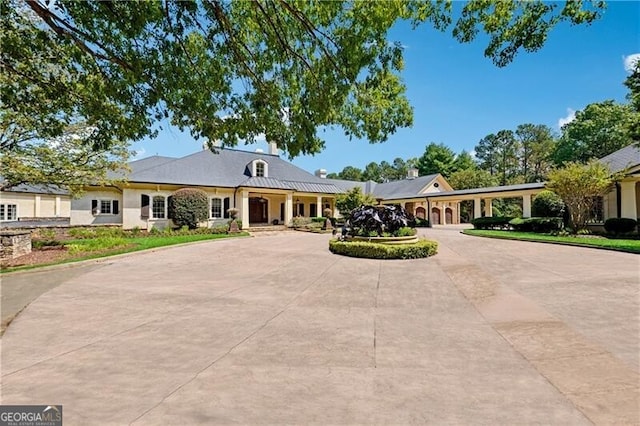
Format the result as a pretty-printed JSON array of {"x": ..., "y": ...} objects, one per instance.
[
  {"x": 579, "y": 185},
  {"x": 352, "y": 199}
]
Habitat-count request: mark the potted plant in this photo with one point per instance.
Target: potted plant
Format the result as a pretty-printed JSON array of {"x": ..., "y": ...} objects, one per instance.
[{"x": 233, "y": 225}]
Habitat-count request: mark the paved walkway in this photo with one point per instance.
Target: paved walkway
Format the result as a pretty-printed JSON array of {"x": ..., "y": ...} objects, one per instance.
[{"x": 278, "y": 330}]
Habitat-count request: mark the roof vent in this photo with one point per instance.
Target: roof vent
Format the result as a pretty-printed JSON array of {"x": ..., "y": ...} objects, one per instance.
[
  {"x": 321, "y": 173},
  {"x": 412, "y": 173},
  {"x": 259, "y": 151}
]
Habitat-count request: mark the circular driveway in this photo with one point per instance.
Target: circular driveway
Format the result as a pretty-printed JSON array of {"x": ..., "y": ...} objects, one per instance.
[{"x": 275, "y": 329}]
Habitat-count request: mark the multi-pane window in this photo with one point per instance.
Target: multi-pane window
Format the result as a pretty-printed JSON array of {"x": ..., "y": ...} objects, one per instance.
[
  {"x": 105, "y": 207},
  {"x": 216, "y": 208},
  {"x": 596, "y": 214},
  {"x": 8, "y": 212},
  {"x": 158, "y": 207},
  {"x": 259, "y": 169}
]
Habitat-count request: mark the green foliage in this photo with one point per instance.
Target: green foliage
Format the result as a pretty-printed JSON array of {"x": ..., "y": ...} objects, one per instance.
[
  {"x": 598, "y": 130},
  {"x": 547, "y": 204},
  {"x": 544, "y": 225},
  {"x": 318, "y": 219},
  {"x": 464, "y": 161},
  {"x": 352, "y": 199},
  {"x": 123, "y": 66},
  {"x": 536, "y": 144},
  {"x": 421, "y": 223},
  {"x": 423, "y": 248},
  {"x": 300, "y": 222},
  {"x": 66, "y": 161},
  {"x": 472, "y": 178},
  {"x": 491, "y": 222},
  {"x": 578, "y": 185},
  {"x": 97, "y": 244},
  {"x": 405, "y": 232},
  {"x": 498, "y": 154},
  {"x": 437, "y": 158},
  {"x": 188, "y": 207},
  {"x": 620, "y": 225}
]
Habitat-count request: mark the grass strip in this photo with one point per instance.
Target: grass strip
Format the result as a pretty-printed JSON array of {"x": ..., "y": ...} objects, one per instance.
[{"x": 628, "y": 246}]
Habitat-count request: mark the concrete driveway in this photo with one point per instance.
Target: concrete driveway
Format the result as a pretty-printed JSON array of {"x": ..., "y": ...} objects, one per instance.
[{"x": 275, "y": 329}]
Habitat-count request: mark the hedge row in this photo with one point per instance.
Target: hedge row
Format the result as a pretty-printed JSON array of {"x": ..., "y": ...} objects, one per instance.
[
  {"x": 491, "y": 222},
  {"x": 543, "y": 225},
  {"x": 422, "y": 248},
  {"x": 620, "y": 225}
]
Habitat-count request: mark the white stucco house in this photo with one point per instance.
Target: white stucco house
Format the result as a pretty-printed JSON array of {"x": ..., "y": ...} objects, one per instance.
[{"x": 268, "y": 190}]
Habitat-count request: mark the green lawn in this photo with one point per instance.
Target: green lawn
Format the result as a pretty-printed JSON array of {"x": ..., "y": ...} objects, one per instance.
[
  {"x": 630, "y": 246},
  {"x": 94, "y": 248}
]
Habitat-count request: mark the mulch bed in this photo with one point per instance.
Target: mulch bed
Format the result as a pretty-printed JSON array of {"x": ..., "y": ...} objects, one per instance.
[{"x": 38, "y": 257}]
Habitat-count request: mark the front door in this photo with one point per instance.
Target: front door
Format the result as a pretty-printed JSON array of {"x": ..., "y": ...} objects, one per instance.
[
  {"x": 258, "y": 208},
  {"x": 448, "y": 216}
]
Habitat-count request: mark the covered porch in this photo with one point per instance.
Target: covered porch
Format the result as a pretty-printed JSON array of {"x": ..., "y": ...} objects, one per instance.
[{"x": 271, "y": 207}]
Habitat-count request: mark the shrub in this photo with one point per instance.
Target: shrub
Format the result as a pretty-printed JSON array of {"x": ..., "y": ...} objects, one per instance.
[
  {"x": 620, "y": 225},
  {"x": 422, "y": 248},
  {"x": 491, "y": 222},
  {"x": 547, "y": 204},
  {"x": 188, "y": 207},
  {"x": 319, "y": 219},
  {"x": 405, "y": 232},
  {"x": 421, "y": 223},
  {"x": 299, "y": 222},
  {"x": 543, "y": 225}
]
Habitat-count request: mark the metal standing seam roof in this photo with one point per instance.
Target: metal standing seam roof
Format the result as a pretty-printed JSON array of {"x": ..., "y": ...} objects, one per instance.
[
  {"x": 623, "y": 159},
  {"x": 506, "y": 188},
  {"x": 228, "y": 168}
]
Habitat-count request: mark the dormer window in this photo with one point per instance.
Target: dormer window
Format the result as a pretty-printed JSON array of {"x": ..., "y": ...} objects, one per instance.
[{"x": 260, "y": 168}]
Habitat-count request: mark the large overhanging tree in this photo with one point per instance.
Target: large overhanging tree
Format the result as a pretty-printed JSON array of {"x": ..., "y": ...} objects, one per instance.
[{"x": 231, "y": 70}]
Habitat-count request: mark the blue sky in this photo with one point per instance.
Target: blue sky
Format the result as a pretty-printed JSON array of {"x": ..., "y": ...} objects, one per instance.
[{"x": 459, "y": 96}]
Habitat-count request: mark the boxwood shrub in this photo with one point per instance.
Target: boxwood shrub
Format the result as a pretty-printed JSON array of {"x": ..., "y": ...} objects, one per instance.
[
  {"x": 543, "y": 225},
  {"x": 188, "y": 207},
  {"x": 547, "y": 204},
  {"x": 620, "y": 225},
  {"x": 422, "y": 248},
  {"x": 491, "y": 222}
]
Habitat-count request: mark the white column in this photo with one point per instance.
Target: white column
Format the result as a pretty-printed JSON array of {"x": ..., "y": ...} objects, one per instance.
[
  {"x": 488, "y": 207},
  {"x": 526, "y": 205},
  {"x": 58, "y": 211},
  {"x": 458, "y": 212},
  {"x": 628, "y": 200},
  {"x": 319, "y": 207},
  {"x": 477, "y": 208},
  {"x": 244, "y": 214},
  {"x": 288, "y": 209},
  {"x": 36, "y": 207}
]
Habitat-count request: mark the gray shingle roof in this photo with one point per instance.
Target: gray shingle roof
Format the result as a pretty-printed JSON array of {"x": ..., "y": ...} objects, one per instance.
[
  {"x": 624, "y": 158},
  {"x": 227, "y": 168},
  {"x": 406, "y": 188}
]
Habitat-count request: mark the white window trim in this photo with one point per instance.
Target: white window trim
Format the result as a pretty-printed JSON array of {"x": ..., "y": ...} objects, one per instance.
[
  {"x": 6, "y": 210},
  {"x": 254, "y": 168},
  {"x": 99, "y": 207},
  {"x": 166, "y": 206},
  {"x": 211, "y": 208}
]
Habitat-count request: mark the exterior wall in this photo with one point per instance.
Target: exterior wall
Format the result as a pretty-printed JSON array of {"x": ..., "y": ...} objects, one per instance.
[
  {"x": 14, "y": 244},
  {"x": 81, "y": 213},
  {"x": 38, "y": 205},
  {"x": 131, "y": 210}
]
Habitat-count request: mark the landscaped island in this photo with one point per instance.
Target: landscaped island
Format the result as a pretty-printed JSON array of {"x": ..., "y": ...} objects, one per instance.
[{"x": 381, "y": 232}]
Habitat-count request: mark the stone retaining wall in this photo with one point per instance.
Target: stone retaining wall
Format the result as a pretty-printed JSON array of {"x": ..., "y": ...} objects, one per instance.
[{"x": 14, "y": 244}]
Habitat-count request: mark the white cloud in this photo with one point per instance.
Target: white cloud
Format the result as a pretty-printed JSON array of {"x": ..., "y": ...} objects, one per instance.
[
  {"x": 630, "y": 61},
  {"x": 571, "y": 115},
  {"x": 137, "y": 154}
]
